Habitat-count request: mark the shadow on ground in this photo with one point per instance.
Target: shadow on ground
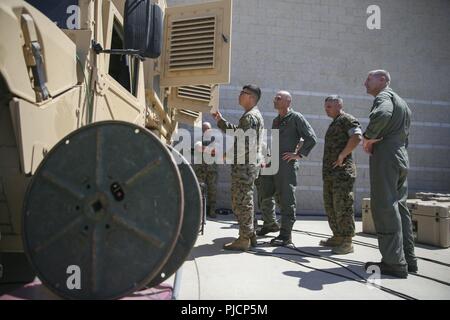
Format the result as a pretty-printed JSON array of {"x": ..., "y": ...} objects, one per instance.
[
  {"x": 316, "y": 278},
  {"x": 212, "y": 249}
]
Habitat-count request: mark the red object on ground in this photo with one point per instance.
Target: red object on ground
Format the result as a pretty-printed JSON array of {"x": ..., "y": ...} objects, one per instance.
[{"x": 37, "y": 291}]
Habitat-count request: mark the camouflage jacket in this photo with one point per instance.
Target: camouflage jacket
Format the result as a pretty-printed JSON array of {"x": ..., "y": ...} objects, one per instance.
[
  {"x": 251, "y": 121},
  {"x": 199, "y": 157},
  {"x": 336, "y": 138}
]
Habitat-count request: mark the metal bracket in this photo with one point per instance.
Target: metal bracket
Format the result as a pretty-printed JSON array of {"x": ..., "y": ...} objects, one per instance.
[
  {"x": 97, "y": 47},
  {"x": 33, "y": 57}
]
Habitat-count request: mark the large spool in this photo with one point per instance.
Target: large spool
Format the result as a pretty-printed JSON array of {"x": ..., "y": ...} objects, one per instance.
[
  {"x": 103, "y": 211},
  {"x": 191, "y": 220}
]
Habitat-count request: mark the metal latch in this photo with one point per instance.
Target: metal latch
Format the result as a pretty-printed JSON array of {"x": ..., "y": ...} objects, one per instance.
[{"x": 33, "y": 57}]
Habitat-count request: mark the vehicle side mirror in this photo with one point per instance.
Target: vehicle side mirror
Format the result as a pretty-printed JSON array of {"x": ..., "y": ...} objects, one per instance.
[{"x": 143, "y": 27}]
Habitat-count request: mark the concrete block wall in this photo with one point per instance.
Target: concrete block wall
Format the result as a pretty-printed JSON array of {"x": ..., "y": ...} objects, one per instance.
[{"x": 319, "y": 47}]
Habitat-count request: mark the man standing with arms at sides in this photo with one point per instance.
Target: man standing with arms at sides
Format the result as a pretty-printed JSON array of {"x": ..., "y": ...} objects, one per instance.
[
  {"x": 386, "y": 140},
  {"x": 207, "y": 173},
  {"x": 338, "y": 174},
  {"x": 245, "y": 171},
  {"x": 292, "y": 127}
]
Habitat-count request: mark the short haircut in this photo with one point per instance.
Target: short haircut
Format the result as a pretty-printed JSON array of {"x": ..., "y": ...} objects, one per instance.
[
  {"x": 253, "y": 89},
  {"x": 285, "y": 94},
  {"x": 381, "y": 72},
  {"x": 335, "y": 98}
]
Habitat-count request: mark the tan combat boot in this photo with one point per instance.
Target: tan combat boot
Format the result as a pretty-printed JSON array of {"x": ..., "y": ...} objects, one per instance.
[
  {"x": 345, "y": 247},
  {"x": 240, "y": 244},
  {"x": 334, "y": 241}
]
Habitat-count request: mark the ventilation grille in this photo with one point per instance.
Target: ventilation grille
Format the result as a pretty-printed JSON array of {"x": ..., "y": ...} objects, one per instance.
[
  {"x": 199, "y": 93},
  {"x": 192, "y": 44},
  {"x": 189, "y": 113}
]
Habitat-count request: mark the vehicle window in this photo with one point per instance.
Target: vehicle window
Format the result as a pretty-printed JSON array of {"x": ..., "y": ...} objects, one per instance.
[{"x": 119, "y": 64}]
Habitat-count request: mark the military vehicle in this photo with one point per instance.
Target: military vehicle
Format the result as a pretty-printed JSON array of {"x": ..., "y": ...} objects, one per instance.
[{"x": 92, "y": 201}]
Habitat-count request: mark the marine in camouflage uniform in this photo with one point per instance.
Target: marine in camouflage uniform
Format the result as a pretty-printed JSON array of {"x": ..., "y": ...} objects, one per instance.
[
  {"x": 386, "y": 140},
  {"x": 243, "y": 176},
  {"x": 207, "y": 174},
  {"x": 339, "y": 173}
]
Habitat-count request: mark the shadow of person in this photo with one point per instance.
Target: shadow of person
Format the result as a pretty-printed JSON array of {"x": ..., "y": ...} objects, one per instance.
[
  {"x": 346, "y": 270},
  {"x": 278, "y": 252},
  {"x": 228, "y": 225},
  {"x": 211, "y": 249},
  {"x": 317, "y": 279},
  {"x": 326, "y": 253},
  {"x": 318, "y": 276}
]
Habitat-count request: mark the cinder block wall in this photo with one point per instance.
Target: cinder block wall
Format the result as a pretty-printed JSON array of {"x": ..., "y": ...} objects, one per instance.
[{"x": 318, "y": 47}]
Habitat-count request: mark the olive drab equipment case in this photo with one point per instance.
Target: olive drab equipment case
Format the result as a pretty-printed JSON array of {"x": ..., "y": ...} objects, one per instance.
[
  {"x": 367, "y": 220},
  {"x": 431, "y": 222},
  {"x": 430, "y": 219}
]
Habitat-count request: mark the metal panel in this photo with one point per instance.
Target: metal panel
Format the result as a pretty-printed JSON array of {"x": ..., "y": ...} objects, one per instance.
[
  {"x": 197, "y": 45},
  {"x": 192, "y": 43}
]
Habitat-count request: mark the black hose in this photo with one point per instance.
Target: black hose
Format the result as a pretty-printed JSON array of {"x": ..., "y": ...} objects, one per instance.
[
  {"x": 321, "y": 235},
  {"x": 365, "y": 244},
  {"x": 361, "y": 280}
]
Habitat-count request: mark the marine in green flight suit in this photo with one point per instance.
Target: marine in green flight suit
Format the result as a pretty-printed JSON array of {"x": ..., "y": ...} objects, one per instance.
[
  {"x": 386, "y": 140},
  {"x": 292, "y": 127},
  {"x": 265, "y": 187}
]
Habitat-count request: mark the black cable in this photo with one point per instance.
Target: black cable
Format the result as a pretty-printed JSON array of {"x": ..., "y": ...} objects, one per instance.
[
  {"x": 325, "y": 259},
  {"x": 361, "y": 280},
  {"x": 434, "y": 261},
  {"x": 399, "y": 294},
  {"x": 198, "y": 277},
  {"x": 430, "y": 278},
  {"x": 335, "y": 260},
  {"x": 365, "y": 244},
  {"x": 360, "y": 262},
  {"x": 323, "y": 235}
]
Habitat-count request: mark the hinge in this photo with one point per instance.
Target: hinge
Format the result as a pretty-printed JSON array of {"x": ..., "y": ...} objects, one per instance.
[{"x": 33, "y": 57}]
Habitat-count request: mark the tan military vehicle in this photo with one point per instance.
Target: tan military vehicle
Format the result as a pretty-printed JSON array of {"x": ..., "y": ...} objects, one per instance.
[{"x": 92, "y": 200}]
